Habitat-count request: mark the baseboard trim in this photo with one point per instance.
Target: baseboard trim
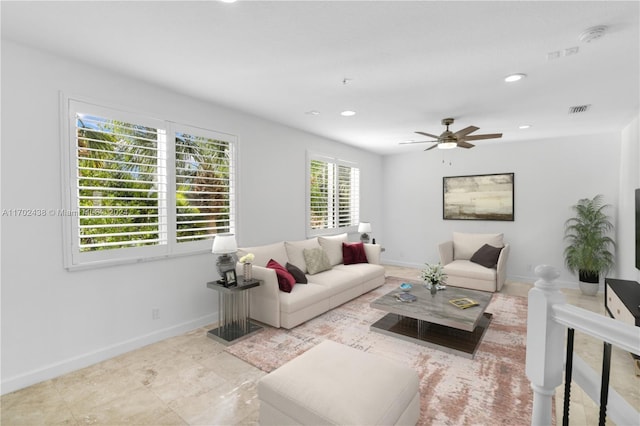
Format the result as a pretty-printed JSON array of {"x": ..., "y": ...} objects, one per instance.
[{"x": 57, "y": 369}]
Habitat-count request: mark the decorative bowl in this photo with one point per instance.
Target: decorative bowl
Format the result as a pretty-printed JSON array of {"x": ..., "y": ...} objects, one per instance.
[{"x": 405, "y": 286}]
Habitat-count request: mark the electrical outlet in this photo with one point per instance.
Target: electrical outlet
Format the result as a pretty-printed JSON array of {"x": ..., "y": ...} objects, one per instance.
[{"x": 155, "y": 313}]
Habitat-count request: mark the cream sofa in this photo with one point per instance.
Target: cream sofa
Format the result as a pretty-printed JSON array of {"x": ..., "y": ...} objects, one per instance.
[
  {"x": 324, "y": 290},
  {"x": 456, "y": 255}
]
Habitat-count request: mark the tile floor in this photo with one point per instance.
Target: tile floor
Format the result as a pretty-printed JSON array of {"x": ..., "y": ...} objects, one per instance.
[{"x": 190, "y": 380}]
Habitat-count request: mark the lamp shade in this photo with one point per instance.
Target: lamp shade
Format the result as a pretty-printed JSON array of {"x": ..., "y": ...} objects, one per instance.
[
  {"x": 364, "y": 227},
  {"x": 224, "y": 244}
]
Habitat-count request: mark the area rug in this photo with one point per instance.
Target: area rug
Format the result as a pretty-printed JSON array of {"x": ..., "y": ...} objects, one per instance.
[{"x": 488, "y": 390}]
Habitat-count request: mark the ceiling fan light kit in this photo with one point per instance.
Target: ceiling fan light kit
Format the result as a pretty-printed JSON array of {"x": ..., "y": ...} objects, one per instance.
[
  {"x": 511, "y": 78},
  {"x": 447, "y": 145}
]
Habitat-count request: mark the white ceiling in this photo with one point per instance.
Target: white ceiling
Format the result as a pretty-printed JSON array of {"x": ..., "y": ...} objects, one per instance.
[{"x": 411, "y": 63}]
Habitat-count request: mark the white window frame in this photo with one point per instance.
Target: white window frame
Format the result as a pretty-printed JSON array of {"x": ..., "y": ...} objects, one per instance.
[
  {"x": 355, "y": 214},
  {"x": 74, "y": 259}
]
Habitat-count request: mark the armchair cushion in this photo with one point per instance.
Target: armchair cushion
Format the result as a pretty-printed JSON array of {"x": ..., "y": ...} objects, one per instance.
[
  {"x": 487, "y": 256},
  {"x": 465, "y": 245}
]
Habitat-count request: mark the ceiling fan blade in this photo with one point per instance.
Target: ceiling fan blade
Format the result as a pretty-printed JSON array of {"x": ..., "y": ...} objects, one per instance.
[
  {"x": 412, "y": 142},
  {"x": 465, "y": 131},
  {"x": 463, "y": 144},
  {"x": 431, "y": 147},
  {"x": 428, "y": 135},
  {"x": 478, "y": 137}
]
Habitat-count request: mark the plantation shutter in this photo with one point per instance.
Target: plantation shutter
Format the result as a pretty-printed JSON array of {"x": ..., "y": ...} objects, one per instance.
[
  {"x": 120, "y": 183},
  {"x": 348, "y": 182},
  {"x": 204, "y": 186},
  {"x": 334, "y": 194}
]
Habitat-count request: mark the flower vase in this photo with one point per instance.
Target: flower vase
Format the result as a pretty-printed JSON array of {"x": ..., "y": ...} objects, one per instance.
[
  {"x": 246, "y": 271},
  {"x": 433, "y": 289}
]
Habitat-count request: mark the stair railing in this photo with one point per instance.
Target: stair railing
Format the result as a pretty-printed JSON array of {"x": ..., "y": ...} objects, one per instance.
[{"x": 548, "y": 316}]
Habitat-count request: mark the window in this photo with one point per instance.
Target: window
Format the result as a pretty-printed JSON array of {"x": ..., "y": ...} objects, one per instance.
[
  {"x": 334, "y": 194},
  {"x": 124, "y": 171}
]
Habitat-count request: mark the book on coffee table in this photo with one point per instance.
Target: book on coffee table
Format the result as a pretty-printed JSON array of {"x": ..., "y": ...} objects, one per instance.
[
  {"x": 406, "y": 297},
  {"x": 463, "y": 303}
]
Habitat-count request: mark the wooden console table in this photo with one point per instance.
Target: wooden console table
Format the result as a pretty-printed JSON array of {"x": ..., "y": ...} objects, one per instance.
[{"x": 622, "y": 302}]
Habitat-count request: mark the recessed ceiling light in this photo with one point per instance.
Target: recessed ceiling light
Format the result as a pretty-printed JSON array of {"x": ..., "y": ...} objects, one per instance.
[
  {"x": 313, "y": 112},
  {"x": 347, "y": 113},
  {"x": 524, "y": 126},
  {"x": 228, "y": 1},
  {"x": 514, "y": 77}
]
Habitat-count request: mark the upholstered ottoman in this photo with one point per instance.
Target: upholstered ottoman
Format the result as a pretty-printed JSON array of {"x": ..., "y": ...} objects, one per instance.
[{"x": 333, "y": 384}]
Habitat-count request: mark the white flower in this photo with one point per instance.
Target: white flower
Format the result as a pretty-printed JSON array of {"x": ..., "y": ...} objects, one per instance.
[
  {"x": 434, "y": 274},
  {"x": 247, "y": 258}
]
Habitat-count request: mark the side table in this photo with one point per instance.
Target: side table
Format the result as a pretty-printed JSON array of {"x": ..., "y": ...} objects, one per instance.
[
  {"x": 233, "y": 312},
  {"x": 622, "y": 302}
]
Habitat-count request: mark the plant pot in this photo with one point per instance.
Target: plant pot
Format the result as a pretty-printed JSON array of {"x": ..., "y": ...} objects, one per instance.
[
  {"x": 589, "y": 289},
  {"x": 589, "y": 277}
]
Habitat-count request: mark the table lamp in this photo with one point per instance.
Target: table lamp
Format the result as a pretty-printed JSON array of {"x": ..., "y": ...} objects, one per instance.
[
  {"x": 225, "y": 246},
  {"x": 364, "y": 228}
]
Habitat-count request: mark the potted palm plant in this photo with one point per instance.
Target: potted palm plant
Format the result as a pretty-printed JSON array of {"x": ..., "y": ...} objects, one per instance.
[{"x": 588, "y": 249}]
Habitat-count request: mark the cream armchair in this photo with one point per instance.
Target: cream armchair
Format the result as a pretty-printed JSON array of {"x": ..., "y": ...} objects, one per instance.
[{"x": 470, "y": 264}]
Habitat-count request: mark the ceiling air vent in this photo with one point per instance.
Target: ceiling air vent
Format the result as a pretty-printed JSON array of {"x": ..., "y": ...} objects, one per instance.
[{"x": 578, "y": 109}]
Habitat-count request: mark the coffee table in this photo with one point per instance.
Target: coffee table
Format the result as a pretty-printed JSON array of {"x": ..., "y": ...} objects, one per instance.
[{"x": 432, "y": 321}]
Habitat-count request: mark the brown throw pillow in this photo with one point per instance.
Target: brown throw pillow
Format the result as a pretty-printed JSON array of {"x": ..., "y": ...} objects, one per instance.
[
  {"x": 487, "y": 256},
  {"x": 297, "y": 273}
]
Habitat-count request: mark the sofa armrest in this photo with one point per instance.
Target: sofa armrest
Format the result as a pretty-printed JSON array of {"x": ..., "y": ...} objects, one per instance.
[
  {"x": 373, "y": 253},
  {"x": 264, "y": 300},
  {"x": 501, "y": 267},
  {"x": 446, "y": 252}
]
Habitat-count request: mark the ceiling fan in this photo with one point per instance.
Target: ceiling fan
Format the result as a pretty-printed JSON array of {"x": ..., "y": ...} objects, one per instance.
[{"x": 449, "y": 139}]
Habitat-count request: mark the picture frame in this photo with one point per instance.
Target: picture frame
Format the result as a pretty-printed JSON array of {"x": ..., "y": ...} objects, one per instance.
[
  {"x": 230, "y": 279},
  {"x": 479, "y": 197}
]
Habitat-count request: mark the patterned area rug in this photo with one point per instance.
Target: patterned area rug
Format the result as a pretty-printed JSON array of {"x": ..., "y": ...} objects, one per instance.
[{"x": 491, "y": 389}]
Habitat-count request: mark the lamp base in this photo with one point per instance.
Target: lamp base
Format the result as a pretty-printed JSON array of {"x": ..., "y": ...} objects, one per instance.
[
  {"x": 226, "y": 262},
  {"x": 364, "y": 238}
]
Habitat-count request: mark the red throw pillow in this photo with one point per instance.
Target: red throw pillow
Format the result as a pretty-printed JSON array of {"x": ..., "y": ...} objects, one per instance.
[
  {"x": 353, "y": 253},
  {"x": 285, "y": 279}
]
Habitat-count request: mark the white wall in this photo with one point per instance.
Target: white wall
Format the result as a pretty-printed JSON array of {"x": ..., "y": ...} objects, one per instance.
[
  {"x": 54, "y": 321},
  {"x": 550, "y": 176},
  {"x": 629, "y": 181}
]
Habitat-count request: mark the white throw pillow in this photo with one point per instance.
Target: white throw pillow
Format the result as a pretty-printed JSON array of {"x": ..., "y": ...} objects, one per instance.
[
  {"x": 294, "y": 252},
  {"x": 332, "y": 245},
  {"x": 465, "y": 245}
]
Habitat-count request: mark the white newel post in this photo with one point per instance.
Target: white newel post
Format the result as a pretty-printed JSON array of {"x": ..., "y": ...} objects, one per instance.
[{"x": 545, "y": 343}]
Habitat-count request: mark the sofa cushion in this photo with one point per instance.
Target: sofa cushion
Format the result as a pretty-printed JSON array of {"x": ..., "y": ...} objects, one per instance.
[
  {"x": 353, "y": 253},
  {"x": 338, "y": 279},
  {"x": 285, "y": 279},
  {"x": 294, "y": 251},
  {"x": 465, "y": 245},
  {"x": 366, "y": 271},
  {"x": 303, "y": 296},
  {"x": 263, "y": 254},
  {"x": 332, "y": 245},
  {"x": 487, "y": 256},
  {"x": 297, "y": 273},
  {"x": 468, "y": 269},
  {"x": 316, "y": 260}
]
